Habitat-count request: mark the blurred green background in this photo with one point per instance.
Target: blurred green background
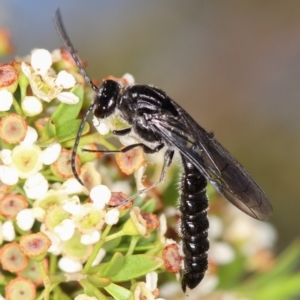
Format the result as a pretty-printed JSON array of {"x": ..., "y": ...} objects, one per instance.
[{"x": 233, "y": 65}]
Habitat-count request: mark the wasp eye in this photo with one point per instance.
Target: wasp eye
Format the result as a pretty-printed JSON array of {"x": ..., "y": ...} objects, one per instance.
[{"x": 106, "y": 99}]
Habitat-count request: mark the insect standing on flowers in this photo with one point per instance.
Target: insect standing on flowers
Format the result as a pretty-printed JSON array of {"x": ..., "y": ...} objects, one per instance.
[{"x": 157, "y": 119}]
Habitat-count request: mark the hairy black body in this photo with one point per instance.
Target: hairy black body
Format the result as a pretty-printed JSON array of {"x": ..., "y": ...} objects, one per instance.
[
  {"x": 156, "y": 118},
  {"x": 194, "y": 225}
]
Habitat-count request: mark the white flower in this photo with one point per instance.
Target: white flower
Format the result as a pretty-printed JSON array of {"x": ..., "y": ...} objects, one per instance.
[
  {"x": 221, "y": 253},
  {"x": 72, "y": 186},
  {"x": 112, "y": 216},
  {"x": 65, "y": 229},
  {"x": 50, "y": 154},
  {"x": 69, "y": 265},
  {"x": 38, "y": 213},
  {"x": 67, "y": 98},
  {"x": 43, "y": 84},
  {"x": 99, "y": 257},
  {"x": 151, "y": 281},
  {"x": 139, "y": 175},
  {"x": 5, "y": 156},
  {"x": 6, "y": 100},
  {"x": 100, "y": 195},
  {"x": 26, "y": 160},
  {"x": 215, "y": 227},
  {"x": 8, "y": 175},
  {"x": 251, "y": 234},
  {"x": 56, "y": 55},
  {"x": 90, "y": 237},
  {"x": 25, "y": 219},
  {"x": 65, "y": 79},
  {"x": 144, "y": 290},
  {"x": 72, "y": 205},
  {"x": 102, "y": 126},
  {"x": 162, "y": 227},
  {"x": 8, "y": 231},
  {"x": 31, "y": 106},
  {"x": 56, "y": 243},
  {"x": 36, "y": 187},
  {"x": 129, "y": 78},
  {"x": 89, "y": 218},
  {"x": 30, "y": 138},
  {"x": 41, "y": 60}
]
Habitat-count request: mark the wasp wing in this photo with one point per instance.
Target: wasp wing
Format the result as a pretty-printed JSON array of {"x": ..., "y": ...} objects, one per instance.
[{"x": 214, "y": 162}]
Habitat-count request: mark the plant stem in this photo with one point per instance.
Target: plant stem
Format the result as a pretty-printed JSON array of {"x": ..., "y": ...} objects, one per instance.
[{"x": 96, "y": 249}]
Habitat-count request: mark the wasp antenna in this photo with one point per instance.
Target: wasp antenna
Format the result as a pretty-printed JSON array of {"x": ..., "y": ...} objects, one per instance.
[
  {"x": 77, "y": 140},
  {"x": 65, "y": 38}
]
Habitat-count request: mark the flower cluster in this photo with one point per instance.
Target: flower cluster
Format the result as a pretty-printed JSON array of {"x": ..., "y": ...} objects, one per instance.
[{"x": 53, "y": 229}]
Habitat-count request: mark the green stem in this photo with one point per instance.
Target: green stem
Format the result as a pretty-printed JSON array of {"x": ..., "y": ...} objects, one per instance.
[
  {"x": 133, "y": 242},
  {"x": 3, "y": 114},
  {"x": 42, "y": 294},
  {"x": 96, "y": 249},
  {"x": 114, "y": 236},
  {"x": 53, "y": 264},
  {"x": 20, "y": 190},
  {"x": 54, "y": 178},
  {"x": 23, "y": 91},
  {"x": 46, "y": 279},
  {"x": 56, "y": 279},
  {"x": 18, "y": 229},
  {"x": 17, "y": 107},
  {"x": 90, "y": 288}
]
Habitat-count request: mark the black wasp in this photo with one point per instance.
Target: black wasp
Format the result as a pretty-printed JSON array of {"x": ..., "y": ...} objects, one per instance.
[{"x": 157, "y": 119}]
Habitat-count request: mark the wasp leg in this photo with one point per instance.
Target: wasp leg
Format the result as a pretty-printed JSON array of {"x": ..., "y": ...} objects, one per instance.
[
  {"x": 121, "y": 132},
  {"x": 146, "y": 149},
  {"x": 167, "y": 161}
]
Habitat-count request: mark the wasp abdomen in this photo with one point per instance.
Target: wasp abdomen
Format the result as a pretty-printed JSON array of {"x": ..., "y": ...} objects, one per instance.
[{"x": 194, "y": 225}]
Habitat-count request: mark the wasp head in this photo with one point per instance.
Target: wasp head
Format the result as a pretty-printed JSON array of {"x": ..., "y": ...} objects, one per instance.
[{"x": 106, "y": 99}]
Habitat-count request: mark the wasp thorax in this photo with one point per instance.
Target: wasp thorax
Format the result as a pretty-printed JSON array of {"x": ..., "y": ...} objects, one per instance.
[{"x": 106, "y": 99}]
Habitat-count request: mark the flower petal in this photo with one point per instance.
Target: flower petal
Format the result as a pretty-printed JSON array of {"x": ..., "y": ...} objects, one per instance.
[
  {"x": 100, "y": 195},
  {"x": 112, "y": 216},
  {"x": 8, "y": 175},
  {"x": 90, "y": 238},
  {"x": 36, "y": 186},
  {"x": 6, "y": 100},
  {"x": 25, "y": 219},
  {"x": 32, "y": 106},
  {"x": 41, "y": 61},
  {"x": 5, "y": 156},
  {"x": 8, "y": 231},
  {"x": 30, "y": 138},
  {"x": 65, "y": 79},
  {"x": 65, "y": 229},
  {"x": 67, "y": 98},
  {"x": 50, "y": 154},
  {"x": 69, "y": 265}
]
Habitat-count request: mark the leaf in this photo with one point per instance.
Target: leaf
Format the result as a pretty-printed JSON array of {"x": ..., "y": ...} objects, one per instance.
[
  {"x": 111, "y": 268},
  {"x": 66, "y": 112},
  {"x": 137, "y": 265},
  {"x": 285, "y": 263},
  {"x": 49, "y": 131},
  {"x": 283, "y": 288},
  {"x": 279, "y": 283},
  {"x": 149, "y": 206},
  {"x": 230, "y": 274},
  {"x": 69, "y": 130},
  {"x": 98, "y": 281},
  {"x": 118, "y": 292}
]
